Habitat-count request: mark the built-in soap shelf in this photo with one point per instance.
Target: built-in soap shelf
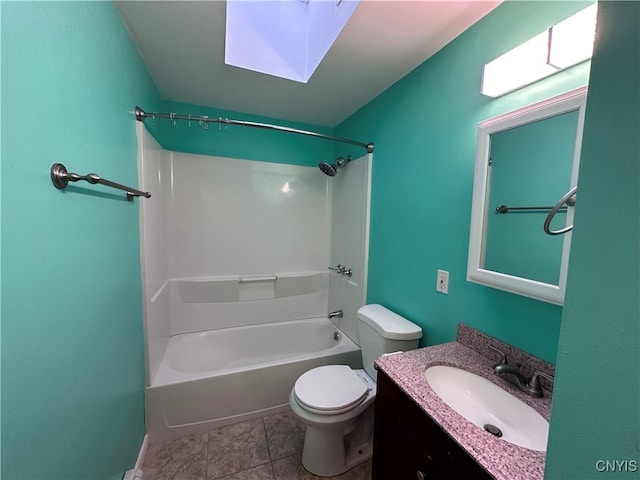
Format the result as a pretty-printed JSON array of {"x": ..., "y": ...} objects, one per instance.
[{"x": 242, "y": 288}]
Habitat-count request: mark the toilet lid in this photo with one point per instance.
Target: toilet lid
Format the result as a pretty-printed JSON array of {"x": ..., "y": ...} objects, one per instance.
[{"x": 330, "y": 389}]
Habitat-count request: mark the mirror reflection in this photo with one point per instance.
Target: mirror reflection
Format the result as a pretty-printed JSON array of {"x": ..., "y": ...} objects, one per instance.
[
  {"x": 525, "y": 161},
  {"x": 530, "y": 166}
]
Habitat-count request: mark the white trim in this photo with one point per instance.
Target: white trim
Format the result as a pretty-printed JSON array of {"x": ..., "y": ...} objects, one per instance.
[
  {"x": 142, "y": 453},
  {"x": 367, "y": 231},
  {"x": 549, "y": 107},
  {"x": 136, "y": 472}
]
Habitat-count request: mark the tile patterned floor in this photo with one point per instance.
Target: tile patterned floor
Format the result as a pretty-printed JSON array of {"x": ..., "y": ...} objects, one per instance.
[{"x": 267, "y": 448}]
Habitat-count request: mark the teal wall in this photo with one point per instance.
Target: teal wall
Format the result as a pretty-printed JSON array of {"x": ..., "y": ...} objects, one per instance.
[
  {"x": 72, "y": 341},
  {"x": 424, "y": 128},
  {"x": 241, "y": 142},
  {"x": 596, "y": 405}
]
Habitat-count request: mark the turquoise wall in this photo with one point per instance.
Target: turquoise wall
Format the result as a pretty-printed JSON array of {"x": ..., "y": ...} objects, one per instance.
[
  {"x": 424, "y": 128},
  {"x": 241, "y": 142},
  {"x": 596, "y": 408},
  {"x": 72, "y": 341}
]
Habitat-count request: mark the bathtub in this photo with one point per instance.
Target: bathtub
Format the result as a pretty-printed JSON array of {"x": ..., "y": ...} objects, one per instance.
[{"x": 218, "y": 377}]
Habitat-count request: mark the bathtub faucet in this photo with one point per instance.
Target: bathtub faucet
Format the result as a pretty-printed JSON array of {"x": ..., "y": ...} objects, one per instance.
[{"x": 337, "y": 313}]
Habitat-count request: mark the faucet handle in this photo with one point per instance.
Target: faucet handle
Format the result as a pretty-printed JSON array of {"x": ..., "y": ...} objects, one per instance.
[
  {"x": 535, "y": 378},
  {"x": 504, "y": 355},
  {"x": 338, "y": 268},
  {"x": 346, "y": 271},
  {"x": 533, "y": 387}
]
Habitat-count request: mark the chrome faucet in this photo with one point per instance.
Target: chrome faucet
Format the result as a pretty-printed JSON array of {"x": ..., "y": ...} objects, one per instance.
[
  {"x": 342, "y": 270},
  {"x": 512, "y": 374},
  {"x": 337, "y": 313},
  {"x": 346, "y": 271}
]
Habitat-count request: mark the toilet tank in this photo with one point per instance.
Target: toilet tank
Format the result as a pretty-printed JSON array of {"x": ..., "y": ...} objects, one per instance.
[{"x": 383, "y": 331}]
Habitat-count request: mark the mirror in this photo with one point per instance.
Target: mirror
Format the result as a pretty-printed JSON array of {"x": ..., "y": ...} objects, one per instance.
[{"x": 526, "y": 161}]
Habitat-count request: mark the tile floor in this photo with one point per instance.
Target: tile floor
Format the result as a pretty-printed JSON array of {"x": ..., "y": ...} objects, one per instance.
[{"x": 267, "y": 448}]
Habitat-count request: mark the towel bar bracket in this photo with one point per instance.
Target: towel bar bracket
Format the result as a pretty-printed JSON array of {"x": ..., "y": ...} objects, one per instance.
[{"x": 59, "y": 176}]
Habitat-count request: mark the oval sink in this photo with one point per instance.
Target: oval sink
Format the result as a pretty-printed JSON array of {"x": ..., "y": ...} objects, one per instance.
[{"x": 488, "y": 406}]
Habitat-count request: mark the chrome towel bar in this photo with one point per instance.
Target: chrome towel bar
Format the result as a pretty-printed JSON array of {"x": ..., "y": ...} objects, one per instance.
[
  {"x": 507, "y": 208},
  {"x": 60, "y": 178}
]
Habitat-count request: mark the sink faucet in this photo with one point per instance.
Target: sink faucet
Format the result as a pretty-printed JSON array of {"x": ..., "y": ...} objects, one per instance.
[{"x": 512, "y": 374}]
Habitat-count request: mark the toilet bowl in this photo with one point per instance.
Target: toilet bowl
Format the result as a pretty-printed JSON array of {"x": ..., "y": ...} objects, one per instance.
[
  {"x": 330, "y": 401},
  {"x": 335, "y": 402}
]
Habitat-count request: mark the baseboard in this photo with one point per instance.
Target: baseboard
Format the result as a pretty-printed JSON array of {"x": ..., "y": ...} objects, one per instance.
[
  {"x": 143, "y": 452},
  {"x": 136, "y": 473},
  {"x": 133, "y": 475}
]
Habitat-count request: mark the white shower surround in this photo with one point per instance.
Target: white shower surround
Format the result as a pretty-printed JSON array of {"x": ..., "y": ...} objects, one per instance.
[{"x": 195, "y": 251}]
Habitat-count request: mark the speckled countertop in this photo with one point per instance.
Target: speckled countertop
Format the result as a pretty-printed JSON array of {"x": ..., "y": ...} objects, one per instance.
[{"x": 503, "y": 460}]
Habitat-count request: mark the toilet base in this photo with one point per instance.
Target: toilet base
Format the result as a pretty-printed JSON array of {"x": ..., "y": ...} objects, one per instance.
[{"x": 325, "y": 455}]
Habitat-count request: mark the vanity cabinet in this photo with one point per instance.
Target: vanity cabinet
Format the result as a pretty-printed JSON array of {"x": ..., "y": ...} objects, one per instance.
[{"x": 409, "y": 445}]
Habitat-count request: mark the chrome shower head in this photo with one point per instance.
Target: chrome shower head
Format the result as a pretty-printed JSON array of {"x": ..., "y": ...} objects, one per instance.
[
  {"x": 331, "y": 169},
  {"x": 328, "y": 169}
]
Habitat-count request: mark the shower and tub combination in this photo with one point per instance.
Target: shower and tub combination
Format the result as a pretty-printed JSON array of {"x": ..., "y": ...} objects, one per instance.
[{"x": 236, "y": 306}]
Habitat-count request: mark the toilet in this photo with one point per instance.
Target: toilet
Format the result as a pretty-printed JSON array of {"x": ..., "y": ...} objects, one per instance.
[{"x": 335, "y": 402}]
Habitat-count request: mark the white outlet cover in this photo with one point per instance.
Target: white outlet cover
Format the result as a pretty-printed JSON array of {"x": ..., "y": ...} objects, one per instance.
[{"x": 442, "y": 282}]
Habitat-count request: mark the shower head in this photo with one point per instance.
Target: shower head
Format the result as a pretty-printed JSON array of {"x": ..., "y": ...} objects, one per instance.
[
  {"x": 331, "y": 169},
  {"x": 328, "y": 169}
]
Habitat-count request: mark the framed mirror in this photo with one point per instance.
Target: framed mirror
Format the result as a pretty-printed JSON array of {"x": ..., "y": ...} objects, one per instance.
[{"x": 526, "y": 162}]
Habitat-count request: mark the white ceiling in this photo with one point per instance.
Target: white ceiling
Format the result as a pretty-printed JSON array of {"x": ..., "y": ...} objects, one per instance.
[{"x": 182, "y": 44}]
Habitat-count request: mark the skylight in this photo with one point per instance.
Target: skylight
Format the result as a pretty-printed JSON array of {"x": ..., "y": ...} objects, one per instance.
[
  {"x": 285, "y": 38},
  {"x": 561, "y": 46}
]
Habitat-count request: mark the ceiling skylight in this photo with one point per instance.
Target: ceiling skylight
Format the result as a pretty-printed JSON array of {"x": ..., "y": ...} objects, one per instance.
[
  {"x": 561, "y": 46},
  {"x": 285, "y": 38}
]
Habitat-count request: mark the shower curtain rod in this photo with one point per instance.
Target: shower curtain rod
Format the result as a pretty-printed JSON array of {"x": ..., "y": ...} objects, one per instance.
[{"x": 141, "y": 116}]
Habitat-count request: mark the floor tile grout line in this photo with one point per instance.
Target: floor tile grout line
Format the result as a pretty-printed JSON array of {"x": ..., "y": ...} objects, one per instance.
[
  {"x": 243, "y": 470},
  {"x": 206, "y": 466},
  {"x": 266, "y": 437},
  {"x": 271, "y": 444}
]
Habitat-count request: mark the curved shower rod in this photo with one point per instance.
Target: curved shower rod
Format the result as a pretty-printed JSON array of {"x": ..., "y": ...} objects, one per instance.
[{"x": 141, "y": 116}]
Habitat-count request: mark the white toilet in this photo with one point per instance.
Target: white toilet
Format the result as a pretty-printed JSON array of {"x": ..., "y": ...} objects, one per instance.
[{"x": 335, "y": 402}]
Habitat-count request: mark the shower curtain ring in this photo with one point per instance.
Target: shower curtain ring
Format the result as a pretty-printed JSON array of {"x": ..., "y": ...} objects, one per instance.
[
  {"x": 189, "y": 120},
  {"x": 172, "y": 118},
  {"x": 204, "y": 122}
]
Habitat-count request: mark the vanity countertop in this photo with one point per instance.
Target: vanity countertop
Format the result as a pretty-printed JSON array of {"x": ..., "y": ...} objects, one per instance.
[{"x": 503, "y": 460}]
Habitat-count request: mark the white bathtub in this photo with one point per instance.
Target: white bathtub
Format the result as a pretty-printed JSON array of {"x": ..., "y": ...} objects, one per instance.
[{"x": 215, "y": 378}]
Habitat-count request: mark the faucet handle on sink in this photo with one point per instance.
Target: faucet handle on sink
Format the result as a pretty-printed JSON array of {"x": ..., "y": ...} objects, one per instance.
[
  {"x": 535, "y": 378},
  {"x": 504, "y": 355},
  {"x": 532, "y": 387}
]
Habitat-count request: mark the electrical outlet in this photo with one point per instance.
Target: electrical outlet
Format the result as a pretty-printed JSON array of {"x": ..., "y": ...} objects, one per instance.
[{"x": 442, "y": 282}]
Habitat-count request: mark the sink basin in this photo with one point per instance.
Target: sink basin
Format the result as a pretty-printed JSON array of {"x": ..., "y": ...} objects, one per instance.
[{"x": 487, "y": 405}]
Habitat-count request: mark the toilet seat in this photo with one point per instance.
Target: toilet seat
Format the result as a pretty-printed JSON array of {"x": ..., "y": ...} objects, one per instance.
[{"x": 330, "y": 390}]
